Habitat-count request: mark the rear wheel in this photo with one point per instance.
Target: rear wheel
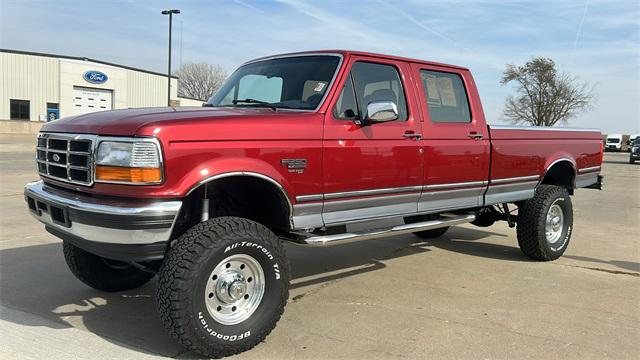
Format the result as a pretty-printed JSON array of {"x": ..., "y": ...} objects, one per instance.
[
  {"x": 223, "y": 286},
  {"x": 433, "y": 233},
  {"x": 545, "y": 223},
  {"x": 426, "y": 234},
  {"x": 101, "y": 273}
]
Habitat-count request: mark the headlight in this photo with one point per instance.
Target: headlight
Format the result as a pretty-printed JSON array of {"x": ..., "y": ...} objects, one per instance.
[
  {"x": 135, "y": 162},
  {"x": 634, "y": 149}
]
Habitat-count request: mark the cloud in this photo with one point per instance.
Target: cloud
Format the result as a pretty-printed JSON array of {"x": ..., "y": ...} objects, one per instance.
[{"x": 600, "y": 45}]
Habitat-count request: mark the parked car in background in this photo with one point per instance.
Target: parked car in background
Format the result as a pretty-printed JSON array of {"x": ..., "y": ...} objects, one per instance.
[
  {"x": 298, "y": 148},
  {"x": 634, "y": 154},
  {"x": 613, "y": 143}
]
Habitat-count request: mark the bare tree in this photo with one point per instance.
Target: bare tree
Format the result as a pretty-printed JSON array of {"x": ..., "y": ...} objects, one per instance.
[
  {"x": 199, "y": 80},
  {"x": 544, "y": 96}
]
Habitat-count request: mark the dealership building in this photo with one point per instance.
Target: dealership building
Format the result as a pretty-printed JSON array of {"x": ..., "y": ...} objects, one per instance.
[{"x": 36, "y": 88}]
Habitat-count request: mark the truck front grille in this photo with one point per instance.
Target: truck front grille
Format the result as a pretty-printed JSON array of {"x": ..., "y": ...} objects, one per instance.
[{"x": 66, "y": 157}]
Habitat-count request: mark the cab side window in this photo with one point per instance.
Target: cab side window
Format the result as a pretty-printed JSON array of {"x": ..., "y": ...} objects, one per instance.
[
  {"x": 446, "y": 97},
  {"x": 367, "y": 83},
  {"x": 346, "y": 106}
]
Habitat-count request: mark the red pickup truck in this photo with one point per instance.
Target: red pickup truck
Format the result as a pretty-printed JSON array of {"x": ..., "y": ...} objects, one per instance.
[{"x": 295, "y": 147}]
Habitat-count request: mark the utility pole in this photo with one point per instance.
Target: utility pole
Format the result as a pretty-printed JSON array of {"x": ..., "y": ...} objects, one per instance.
[{"x": 170, "y": 13}]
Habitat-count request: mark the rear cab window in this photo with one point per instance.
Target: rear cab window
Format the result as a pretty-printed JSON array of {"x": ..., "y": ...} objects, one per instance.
[{"x": 446, "y": 97}]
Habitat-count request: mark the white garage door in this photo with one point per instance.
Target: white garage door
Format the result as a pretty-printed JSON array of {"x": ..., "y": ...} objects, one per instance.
[{"x": 86, "y": 100}]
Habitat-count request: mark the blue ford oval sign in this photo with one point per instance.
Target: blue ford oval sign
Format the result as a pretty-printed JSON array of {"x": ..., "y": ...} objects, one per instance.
[{"x": 95, "y": 77}]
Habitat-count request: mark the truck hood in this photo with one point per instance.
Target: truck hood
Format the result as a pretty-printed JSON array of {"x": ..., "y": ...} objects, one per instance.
[{"x": 128, "y": 122}]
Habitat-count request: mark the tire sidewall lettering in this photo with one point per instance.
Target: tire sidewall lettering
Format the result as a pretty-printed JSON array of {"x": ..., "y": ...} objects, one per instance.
[
  {"x": 564, "y": 241},
  {"x": 220, "y": 336},
  {"x": 258, "y": 247},
  {"x": 273, "y": 278},
  {"x": 567, "y": 226}
]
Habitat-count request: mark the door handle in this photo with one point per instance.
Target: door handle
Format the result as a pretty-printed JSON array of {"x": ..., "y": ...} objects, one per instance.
[
  {"x": 474, "y": 135},
  {"x": 412, "y": 135}
]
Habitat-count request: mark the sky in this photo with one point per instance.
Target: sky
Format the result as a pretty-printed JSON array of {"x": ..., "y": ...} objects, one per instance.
[{"x": 598, "y": 41}]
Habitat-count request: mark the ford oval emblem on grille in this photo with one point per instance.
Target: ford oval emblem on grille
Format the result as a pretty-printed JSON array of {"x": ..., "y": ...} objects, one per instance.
[
  {"x": 95, "y": 77},
  {"x": 56, "y": 157}
]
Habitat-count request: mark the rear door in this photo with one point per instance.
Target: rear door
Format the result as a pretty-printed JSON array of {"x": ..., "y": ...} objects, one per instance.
[
  {"x": 455, "y": 139},
  {"x": 374, "y": 170}
]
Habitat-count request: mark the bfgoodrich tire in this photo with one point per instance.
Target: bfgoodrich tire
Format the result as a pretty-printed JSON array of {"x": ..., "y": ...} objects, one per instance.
[
  {"x": 103, "y": 274},
  {"x": 426, "y": 234},
  {"x": 545, "y": 223},
  {"x": 223, "y": 286},
  {"x": 433, "y": 233}
]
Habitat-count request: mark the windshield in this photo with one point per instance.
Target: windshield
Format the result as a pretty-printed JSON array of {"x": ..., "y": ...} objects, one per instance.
[
  {"x": 613, "y": 141},
  {"x": 636, "y": 142},
  {"x": 298, "y": 82}
]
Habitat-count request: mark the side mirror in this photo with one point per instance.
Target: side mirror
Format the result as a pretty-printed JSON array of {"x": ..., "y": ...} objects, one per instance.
[{"x": 381, "y": 111}]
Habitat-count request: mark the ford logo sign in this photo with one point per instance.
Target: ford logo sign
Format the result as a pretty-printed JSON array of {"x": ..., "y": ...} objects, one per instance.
[{"x": 95, "y": 77}]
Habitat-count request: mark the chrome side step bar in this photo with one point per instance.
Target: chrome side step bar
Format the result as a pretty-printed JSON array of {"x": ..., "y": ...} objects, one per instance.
[{"x": 336, "y": 239}]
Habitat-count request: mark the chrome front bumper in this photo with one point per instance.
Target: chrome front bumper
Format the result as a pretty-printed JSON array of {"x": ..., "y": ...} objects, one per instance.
[{"x": 98, "y": 224}]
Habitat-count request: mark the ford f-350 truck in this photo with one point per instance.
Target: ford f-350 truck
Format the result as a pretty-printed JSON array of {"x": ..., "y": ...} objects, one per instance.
[{"x": 297, "y": 148}]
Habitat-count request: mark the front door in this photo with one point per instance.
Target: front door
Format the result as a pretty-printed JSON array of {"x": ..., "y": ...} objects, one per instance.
[
  {"x": 371, "y": 170},
  {"x": 456, "y": 140}
]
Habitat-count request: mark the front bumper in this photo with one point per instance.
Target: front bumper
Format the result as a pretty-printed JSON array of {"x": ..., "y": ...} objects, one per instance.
[
  {"x": 114, "y": 228},
  {"x": 635, "y": 156}
]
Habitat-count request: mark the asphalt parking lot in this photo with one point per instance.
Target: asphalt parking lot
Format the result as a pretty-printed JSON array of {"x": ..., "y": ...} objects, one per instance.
[{"x": 468, "y": 295}]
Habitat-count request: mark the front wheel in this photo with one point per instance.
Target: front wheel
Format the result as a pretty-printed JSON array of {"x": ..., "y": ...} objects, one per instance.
[
  {"x": 223, "y": 286},
  {"x": 545, "y": 223},
  {"x": 101, "y": 273}
]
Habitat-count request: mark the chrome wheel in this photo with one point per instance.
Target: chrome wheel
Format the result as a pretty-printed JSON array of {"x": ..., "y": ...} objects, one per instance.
[
  {"x": 234, "y": 289},
  {"x": 555, "y": 222}
]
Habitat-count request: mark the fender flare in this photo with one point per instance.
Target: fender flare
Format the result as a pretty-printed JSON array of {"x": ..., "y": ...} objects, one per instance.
[
  {"x": 223, "y": 175},
  {"x": 557, "y": 160}
]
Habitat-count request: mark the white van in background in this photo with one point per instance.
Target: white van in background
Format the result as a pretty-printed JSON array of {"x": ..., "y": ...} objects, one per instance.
[{"x": 613, "y": 143}]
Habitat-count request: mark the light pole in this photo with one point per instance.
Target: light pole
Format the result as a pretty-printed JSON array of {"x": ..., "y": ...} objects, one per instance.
[{"x": 170, "y": 13}]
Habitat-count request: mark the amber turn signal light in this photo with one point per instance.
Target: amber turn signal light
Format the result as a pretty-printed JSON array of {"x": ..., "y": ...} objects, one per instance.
[{"x": 126, "y": 174}]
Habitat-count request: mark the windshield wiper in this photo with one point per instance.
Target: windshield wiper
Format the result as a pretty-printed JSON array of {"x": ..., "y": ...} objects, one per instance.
[{"x": 254, "y": 101}]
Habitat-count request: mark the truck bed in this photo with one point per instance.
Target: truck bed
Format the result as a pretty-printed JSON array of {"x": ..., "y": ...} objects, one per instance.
[{"x": 522, "y": 156}]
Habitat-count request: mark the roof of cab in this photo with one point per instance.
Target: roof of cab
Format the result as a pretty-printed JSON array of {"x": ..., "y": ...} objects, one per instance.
[{"x": 346, "y": 53}]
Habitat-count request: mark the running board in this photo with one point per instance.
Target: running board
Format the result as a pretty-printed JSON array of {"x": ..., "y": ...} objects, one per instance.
[{"x": 336, "y": 239}]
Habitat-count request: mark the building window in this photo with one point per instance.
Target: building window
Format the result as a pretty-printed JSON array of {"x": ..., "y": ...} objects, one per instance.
[{"x": 20, "y": 109}]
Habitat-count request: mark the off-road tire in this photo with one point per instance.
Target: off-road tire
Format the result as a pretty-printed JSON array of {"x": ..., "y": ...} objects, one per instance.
[
  {"x": 532, "y": 217},
  {"x": 103, "y": 274},
  {"x": 426, "y": 234},
  {"x": 433, "y": 233},
  {"x": 631, "y": 161},
  {"x": 187, "y": 268}
]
